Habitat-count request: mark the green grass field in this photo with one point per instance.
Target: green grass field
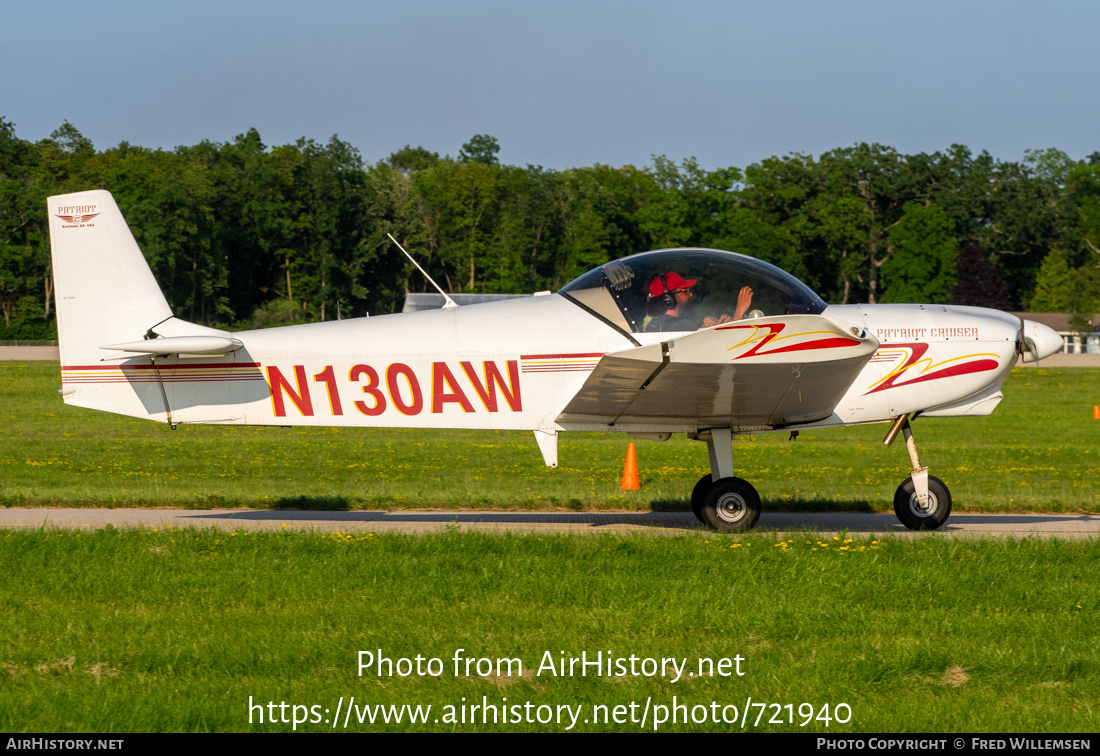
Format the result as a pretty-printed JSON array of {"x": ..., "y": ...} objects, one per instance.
[
  {"x": 131, "y": 631},
  {"x": 1038, "y": 452}
]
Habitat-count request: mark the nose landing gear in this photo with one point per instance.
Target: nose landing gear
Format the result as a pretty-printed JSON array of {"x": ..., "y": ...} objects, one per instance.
[{"x": 922, "y": 502}]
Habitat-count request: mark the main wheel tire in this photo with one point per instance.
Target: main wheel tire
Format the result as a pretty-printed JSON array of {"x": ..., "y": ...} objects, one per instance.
[
  {"x": 699, "y": 495},
  {"x": 929, "y": 517},
  {"x": 731, "y": 504}
]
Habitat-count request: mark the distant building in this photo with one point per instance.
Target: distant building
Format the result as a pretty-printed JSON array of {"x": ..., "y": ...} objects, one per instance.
[
  {"x": 434, "y": 301},
  {"x": 1075, "y": 341}
]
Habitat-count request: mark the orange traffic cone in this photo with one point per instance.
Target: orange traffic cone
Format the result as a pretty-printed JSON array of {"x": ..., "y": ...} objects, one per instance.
[
  {"x": 1096, "y": 412},
  {"x": 630, "y": 470}
]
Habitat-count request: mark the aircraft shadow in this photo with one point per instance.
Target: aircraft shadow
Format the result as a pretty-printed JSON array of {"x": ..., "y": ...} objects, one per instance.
[
  {"x": 666, "y": 520},
  {"x": 853, "y": 522},
  {"x": 801, "y": 506}
]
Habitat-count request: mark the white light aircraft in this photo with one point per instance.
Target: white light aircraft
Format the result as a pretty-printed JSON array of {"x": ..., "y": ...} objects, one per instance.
[{"x": 588, "y": 358}]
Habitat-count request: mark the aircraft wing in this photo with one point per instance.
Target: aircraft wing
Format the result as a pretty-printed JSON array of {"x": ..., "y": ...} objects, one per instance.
[{"x": 750, "y": 374}]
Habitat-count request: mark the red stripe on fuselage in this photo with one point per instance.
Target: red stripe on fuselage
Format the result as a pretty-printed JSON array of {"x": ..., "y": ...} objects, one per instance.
[{"x": 558, "y": 356}]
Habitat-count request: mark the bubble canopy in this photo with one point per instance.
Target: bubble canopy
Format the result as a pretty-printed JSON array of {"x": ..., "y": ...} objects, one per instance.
[{"x": 622, "y": 291}]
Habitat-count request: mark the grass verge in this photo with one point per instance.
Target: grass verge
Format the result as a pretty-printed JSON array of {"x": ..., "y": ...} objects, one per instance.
[{"x": 164, "y": 631}]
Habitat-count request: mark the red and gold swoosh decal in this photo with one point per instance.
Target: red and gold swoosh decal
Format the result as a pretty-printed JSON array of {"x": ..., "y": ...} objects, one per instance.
[
  {"x": 925, "y": 370},
  {"x": 767, "y": 335}
]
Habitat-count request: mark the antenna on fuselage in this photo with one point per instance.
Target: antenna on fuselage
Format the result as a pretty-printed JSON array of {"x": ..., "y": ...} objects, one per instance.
[{"x": 448, "y": 302}]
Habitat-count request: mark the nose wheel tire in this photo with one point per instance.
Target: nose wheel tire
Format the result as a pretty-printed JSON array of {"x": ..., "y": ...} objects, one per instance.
[
  {"x": 731, "y": 504},
  {"x": 932, "y": 515}
]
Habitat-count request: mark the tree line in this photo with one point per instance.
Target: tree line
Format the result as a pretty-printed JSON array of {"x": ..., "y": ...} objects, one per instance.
[{"x": 241, "y": 235}]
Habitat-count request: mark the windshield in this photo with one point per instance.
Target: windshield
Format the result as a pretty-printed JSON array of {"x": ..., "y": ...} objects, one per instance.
[{"x": 686, "y": 289}]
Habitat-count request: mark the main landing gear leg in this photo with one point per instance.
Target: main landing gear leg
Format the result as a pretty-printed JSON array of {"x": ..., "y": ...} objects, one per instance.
[
  {"x": 922, "y": 502},
  {"x": 720, "y": 500}
]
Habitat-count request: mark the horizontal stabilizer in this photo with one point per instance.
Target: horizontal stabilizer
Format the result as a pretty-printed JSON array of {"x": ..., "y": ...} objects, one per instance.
[{"x": 178, "y": 345}]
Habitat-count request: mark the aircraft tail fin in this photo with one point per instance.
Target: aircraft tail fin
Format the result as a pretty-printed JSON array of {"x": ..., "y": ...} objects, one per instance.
[
  {"x": 104, "y": 289},
  {"x": 106, "y": 295}
]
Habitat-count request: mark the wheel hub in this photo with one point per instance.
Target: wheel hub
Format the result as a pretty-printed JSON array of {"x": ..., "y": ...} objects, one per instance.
[
  {"x": 928, "y": 510},
  {"x": 731, "y": 507}
]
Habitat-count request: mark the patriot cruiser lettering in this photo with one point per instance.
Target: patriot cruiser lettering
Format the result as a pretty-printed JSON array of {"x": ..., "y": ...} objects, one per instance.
[
  {"x": 944, "y": 332},
  {"x": 398, "y": 387}
]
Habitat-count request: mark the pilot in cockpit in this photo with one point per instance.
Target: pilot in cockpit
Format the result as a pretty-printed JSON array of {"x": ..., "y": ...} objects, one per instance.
[{"x": 670, "y": 306}]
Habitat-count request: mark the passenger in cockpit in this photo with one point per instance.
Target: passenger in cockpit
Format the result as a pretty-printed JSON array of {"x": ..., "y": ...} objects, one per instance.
[{"x": 670, "y": 306}]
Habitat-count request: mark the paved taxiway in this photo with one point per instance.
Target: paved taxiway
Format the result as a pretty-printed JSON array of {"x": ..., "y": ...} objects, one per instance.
[{"x": 960, "y": 525}]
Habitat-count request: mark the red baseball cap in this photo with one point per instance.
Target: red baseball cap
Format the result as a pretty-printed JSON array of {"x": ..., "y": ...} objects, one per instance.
[{"x": 657, "y": 288}]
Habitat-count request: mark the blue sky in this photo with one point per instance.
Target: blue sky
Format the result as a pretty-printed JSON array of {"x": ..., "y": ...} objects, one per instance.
[{"x": 562, "y": 83}]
